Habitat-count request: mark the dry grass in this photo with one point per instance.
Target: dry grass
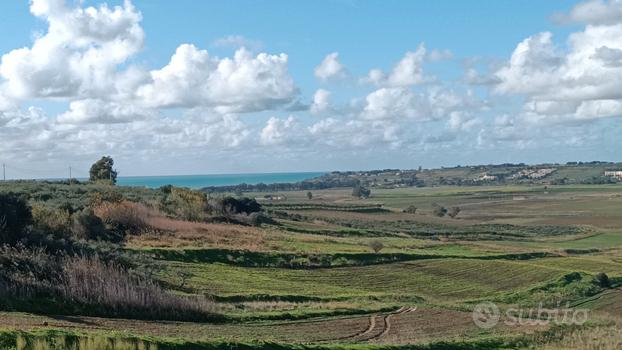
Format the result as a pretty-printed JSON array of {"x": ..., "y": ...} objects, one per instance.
[
  {"x": 81, "y": 343},
  {"x": 89, "y": 281},
  {"x": 125, "y": 214},
  {"x": 171, "y": 233},
  {"x": 596, "y": 338},
  {"x": 90, "y": 286}
]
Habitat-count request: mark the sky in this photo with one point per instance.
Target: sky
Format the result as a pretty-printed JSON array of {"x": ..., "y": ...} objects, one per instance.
[{"x": 203, "y": 87}]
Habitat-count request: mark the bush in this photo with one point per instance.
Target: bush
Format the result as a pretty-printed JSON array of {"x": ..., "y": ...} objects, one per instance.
[
  {"x": 376, "y": 246},
  {"x": 439, "y": 210},
  {"x": 124, "y": 217},
  {"x": 87, "y": 225},
  {"x": 184, "y": 203},
  {"x": 229, "y": 206},
  {"x": 360, "y": 192},
  {"x": 602, "y": 280},
  {"x": 454, "y": 211},
  {"x": 15, "y": 217},
  {"x": 50, "y": 220},
  {"x": 411, "y": 209}
]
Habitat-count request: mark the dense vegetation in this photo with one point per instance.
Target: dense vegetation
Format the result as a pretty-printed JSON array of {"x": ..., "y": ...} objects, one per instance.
[{"x": 60, "y": 248}]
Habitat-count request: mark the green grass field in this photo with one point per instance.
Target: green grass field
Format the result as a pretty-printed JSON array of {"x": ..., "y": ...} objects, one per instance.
[{"x": 328, "y": 272}]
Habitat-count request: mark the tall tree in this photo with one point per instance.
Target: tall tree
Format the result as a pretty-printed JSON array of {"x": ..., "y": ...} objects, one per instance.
[{"x": 103, "y": 170}]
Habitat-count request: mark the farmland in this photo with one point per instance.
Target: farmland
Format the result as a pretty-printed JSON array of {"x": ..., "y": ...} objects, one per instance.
[{"x": 330, "y": 270}]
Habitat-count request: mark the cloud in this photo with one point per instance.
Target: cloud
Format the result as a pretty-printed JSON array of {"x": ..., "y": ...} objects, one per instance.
[
  {"x": 440, "y": 55},
  {"x": 78, "y": 55},
  {"x": 473, "y": 77},
  {"x": 32, "y": 135},
  {"x": 98, "y": 111},
  {"x": 237, "y": 41},
  {"x": 460, "y": 120},
  {"x": 321, "y": 101},
  {"x": 580, "y": 82},
  {"x": 402, "y": 103},
  {"x": 6, "y": 103},
  {"x": 278, "y": 131},
  {"x": 533, "y": 64},
  {"x": 608, "y": 56},
  {"x": 596, "y": 12},
  {"x": 330, "y": 68},
  {"x": 244, "y": 83},
  {"x": 408, "y": 71}
]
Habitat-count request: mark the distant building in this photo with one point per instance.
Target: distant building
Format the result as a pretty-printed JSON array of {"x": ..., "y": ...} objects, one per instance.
[
  {"x": 533, "y": 174},
  {"x": 486, "y": 177},
  {"x": 614, "y": 173}
]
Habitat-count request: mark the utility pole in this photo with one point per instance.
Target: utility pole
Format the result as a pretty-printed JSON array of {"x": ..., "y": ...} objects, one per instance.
[
  {"x": 69, "y": 173},
  {"x": 3, "y": 172}
]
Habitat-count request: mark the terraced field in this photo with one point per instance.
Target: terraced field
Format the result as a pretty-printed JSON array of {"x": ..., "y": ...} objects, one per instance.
[{"x": 323, "y": 275}]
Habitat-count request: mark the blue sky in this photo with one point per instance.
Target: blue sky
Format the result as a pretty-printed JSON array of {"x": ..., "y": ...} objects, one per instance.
[{"x": 532, "y": 97}]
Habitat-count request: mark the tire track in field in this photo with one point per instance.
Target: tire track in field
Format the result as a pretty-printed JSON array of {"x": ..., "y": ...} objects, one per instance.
[
  {"x": 377, "y": 329},
  {"x": 387, "y": 321}
]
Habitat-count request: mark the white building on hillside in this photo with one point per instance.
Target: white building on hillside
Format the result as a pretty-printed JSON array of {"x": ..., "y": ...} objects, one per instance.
[{"x": 614, "y": 173}]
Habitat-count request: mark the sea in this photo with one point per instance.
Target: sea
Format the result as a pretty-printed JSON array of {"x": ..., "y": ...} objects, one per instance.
[{"x": 200, "y": 181}]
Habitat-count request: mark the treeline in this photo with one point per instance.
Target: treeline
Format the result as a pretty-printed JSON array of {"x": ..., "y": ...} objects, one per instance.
[{"x": 333, "y": 180}]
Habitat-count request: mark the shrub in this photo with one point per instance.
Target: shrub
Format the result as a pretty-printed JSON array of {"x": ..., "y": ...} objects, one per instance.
[
  {"x": 184, "y": 203},
  {"x": 124, "y": 217},
  {"x": 602, "y": 280},
  {"x": 439, "y": 210},
  {"x": 411, "y": 209},
  {"x": 360, "y": 192},
  {"x": 15, "y": 217},
  {"x": 232, "y": 206},
  {"x": 454, "y": 211},
  {"x": 376, "y": 246},
  {"x": 50, "y": 220},
  {"x": 87, "y": 225}
]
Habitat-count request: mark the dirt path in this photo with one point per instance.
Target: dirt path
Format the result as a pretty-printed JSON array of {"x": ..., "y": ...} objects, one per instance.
[
  {"x": 400, "y": 326},
  {"x": 387, "y": 321},
  {"x": 379, "y": 326}
]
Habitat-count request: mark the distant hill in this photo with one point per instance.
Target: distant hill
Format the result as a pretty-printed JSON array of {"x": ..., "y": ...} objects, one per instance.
[{"x": 473, "y": 175}]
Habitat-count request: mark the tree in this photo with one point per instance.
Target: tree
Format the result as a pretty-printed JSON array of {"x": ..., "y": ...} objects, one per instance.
[
  {"x": 102, "y": 170},
  {"x": 360, "y": 192},
  {"x": 439, "y": 210},
  {"x": 309, "y": 195},
  {"x": 376, "y": 246},
  {"x": 454, "y": 211},
  {"x": 411, "y": 209},
  {"x": 602, "y": 280},
  {"x": 15, "y": 216}
]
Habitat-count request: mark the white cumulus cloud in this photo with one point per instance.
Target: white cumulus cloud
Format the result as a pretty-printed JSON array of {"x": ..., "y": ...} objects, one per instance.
[
  {"x": 321, "y": 101},
  {"x": 79, "y": 53},
  {"x": 330, "y": 68},
  {"x": 408, "y": 71},
  {"x": 243, "y": 83}
]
